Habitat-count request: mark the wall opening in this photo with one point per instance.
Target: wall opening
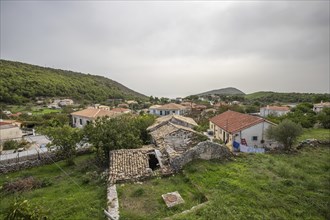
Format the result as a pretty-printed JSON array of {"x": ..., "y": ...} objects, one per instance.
[{"x": 153, "y": 162}]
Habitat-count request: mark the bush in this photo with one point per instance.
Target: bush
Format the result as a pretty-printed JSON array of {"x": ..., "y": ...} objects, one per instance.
[
  {"x": 10, "y": 145},
  {"x": 23, "y": 209},
  {"x": 23, "y": 184}
]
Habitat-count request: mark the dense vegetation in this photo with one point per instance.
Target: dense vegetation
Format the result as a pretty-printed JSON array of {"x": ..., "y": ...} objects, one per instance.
[
  {"x": 273, "y": 97},
  {"x": 22, "y": 82}
]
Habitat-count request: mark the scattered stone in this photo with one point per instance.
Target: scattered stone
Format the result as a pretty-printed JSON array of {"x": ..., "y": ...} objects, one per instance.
[{"x": 172, "y": 199}]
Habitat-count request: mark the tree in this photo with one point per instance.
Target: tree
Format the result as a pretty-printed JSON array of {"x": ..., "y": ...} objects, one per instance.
[
  {"x": 324, "y": 117},
  {"x": 285, "y": 133},
  {"x": 66, "y": 139},
  {"x": 108, "y": 134}
]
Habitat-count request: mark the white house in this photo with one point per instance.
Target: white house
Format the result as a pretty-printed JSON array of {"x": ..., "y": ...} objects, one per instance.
[
  {"x": 274, "y": 110},
  {"x": 9, "y": 131},
  {"x": 167, "y": 109},
  {"x": 320, "y": 106},
  {"x": 65, "y": 102},
  {"x": 245, "y": 129},
  {"x": 86, "y": 116}
]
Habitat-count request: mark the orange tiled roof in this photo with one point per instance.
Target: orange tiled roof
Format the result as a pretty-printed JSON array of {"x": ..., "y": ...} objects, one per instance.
[
  {"x": 232, "y": 121},
  {"x": 94, "y": 113},
  {"x": 277, "y": 108},
  {"x": 171, "y": 106}
]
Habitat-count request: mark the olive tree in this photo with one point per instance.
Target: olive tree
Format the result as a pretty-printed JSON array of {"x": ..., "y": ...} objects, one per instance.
[{"x": 285, "y": 133}]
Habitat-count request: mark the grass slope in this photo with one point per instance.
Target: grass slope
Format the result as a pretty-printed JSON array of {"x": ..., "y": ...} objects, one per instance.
[
  {"x": 63, "y": 198},
  {"x": 21, "y": 82},
  {"x": 265, "y": 186}
]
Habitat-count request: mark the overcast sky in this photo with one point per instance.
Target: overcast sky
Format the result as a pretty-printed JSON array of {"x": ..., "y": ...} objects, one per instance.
[{"x": 176, "y": 48}]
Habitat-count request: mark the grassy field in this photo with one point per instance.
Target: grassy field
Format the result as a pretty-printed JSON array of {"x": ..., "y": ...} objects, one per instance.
[
  {"x": 319, "y": 134},
  {"x": 144, "y": 201},
  {"x": 63, "y": 197},
  {"x": 259, "y": 186},
  {"x": 254, "y": 186}
]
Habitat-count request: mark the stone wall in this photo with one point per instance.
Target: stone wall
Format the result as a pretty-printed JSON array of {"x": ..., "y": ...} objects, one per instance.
[
  {"x": 206, "y": 150},
  {"x": 26, "y": 162}
]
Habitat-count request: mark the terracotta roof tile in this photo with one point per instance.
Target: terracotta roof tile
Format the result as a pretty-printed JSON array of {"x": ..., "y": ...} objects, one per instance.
[
  {"x": 232, "y": 121},
  {"x": 94, "y": 113},
  {"x": 168, "y": 118},
  {"x": 277, "y": 108},
  {"x": 172, "y": 106}
]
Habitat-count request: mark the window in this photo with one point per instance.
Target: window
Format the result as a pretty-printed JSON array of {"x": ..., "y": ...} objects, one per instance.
[
  {"x": 161, "y": 113},
  {"x": 87, "y": 122},
  {"x": 173, "y": 112},
  {"x": 254, "y": 138},
  {"x": 80, "y": 121}
]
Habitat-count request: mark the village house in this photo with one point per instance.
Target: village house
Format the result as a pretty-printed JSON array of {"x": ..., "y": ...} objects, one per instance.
[
  {"x": 245, "y": 129},
  {"x": 86, "y": 116},
  {"x": 123, "y": 105},
  {"x": 274, "y": 110},
  {"x": 9, "y": 131},
  {"x": 167, "y": 109},
  {"x": 320, "y": 106},
  {"x": 121, "y": 110},
  {"x": 65, "y": 102},
  {"x": 103, "y": 107},
  {"x": 175, "y": 119},
  {"x": 173, "y": 139}
]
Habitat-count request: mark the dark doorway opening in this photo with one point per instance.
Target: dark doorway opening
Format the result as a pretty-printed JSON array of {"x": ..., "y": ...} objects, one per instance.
[{"x": 153, "y": 162}]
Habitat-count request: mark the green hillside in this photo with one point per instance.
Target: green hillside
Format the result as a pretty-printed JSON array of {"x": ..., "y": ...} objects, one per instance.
[{"x": 22, "y": 82}]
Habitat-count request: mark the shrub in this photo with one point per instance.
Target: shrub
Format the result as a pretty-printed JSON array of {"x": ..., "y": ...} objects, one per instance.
[
  {"x": 23, "y": 184},
  {"x": 23, "y": 209}
]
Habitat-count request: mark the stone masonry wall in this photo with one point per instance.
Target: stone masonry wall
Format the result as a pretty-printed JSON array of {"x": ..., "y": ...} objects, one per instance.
[{"x": 206, "y": 150}]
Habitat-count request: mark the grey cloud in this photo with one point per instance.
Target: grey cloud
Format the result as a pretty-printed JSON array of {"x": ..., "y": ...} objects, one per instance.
[{"x": 176, "y": 48}]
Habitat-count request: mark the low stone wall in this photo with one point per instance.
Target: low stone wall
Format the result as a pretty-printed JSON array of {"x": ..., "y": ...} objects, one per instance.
[
  {"x": 26, "y": 162},
  {"x": 206, "y": 150},
  {"x": 313, "y": 143}
]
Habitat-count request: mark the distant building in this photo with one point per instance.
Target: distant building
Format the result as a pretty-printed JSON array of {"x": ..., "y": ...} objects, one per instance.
[
  {"x": 65, "y": 102},
  {"x": 246, "y": 129},
  {"x": 121, "y": 110},
  {"x": 9, "y": 131},
  {"x": 168, "y": 109},
  {"x": 86, "y": 116},
  {"x": 274, "y": 110},
  {"x": 123, "y": 105},
  {"x": 320, "y": 106},
  {"x": 174, "y": 119}
]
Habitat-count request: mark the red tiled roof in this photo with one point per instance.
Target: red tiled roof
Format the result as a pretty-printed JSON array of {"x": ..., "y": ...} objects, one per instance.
[
  {"x": 4, "y": 123},
  {"x": 277, "y": 108},
  {"x": 232, "y": 121},
  {"x": 171, "y": 106},
  {"x": 94, "y": 113}
]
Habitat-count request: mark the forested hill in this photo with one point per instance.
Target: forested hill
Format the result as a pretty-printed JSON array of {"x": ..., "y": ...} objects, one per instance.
[
  {"x": 224, "y": 91},
  {"x": 21, "y": 82}
]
